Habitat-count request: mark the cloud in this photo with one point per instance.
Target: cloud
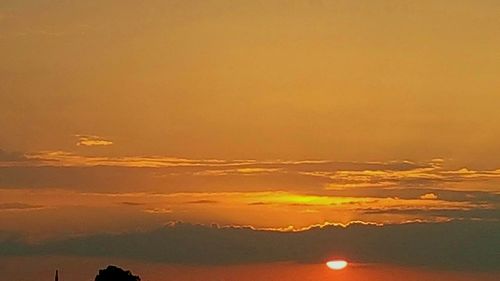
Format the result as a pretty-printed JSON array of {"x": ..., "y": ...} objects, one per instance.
[
  {"x": 69, "y": 159},
  {"x": 272, "y": 174},
  {"x": 332, "y": 175},
  {"x": 429, "y": 196},
  {"x": 240, "y": 171},
  {"x": 16, "y": 206},
  {"x": 263, "y": 210},
  {"x": 473, "y": 196},
  {"x": 131, "y": 203},
  {"x": 157, "y": 211},
  {"x": 241, "y": 184},
  {"x": 492, "y": 214},
  {"x": 457, "y": 245},
  {"x": 202, "y": 201},
  {"x": 258, "y": 203},
  {"x": 6, "y": 156},
  {"x": 87, "y": 140},
  {"x": 245, "y": 166}
]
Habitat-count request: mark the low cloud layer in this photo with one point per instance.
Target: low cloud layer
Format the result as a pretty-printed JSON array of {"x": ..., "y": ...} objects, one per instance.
[
  {"x": 457, "y": 245},
  {"x": 265, "y": 194},
  {"x": 265, "y": 210}
]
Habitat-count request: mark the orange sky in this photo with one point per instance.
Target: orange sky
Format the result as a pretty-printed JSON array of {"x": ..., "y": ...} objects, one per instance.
[
  {"x": 230, "y": 100},
  {"x": 85, "y": 269},
  {"x": 308, "y": 111},
  {"x": 120, "y": 116},
  {"x": 343, "y": 80}
]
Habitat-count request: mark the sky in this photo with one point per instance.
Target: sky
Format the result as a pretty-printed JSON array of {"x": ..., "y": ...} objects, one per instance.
[{"x": 142, "y": 120}]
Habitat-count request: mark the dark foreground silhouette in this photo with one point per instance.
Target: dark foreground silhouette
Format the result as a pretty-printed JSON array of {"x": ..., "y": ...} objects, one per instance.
[{"x": 114, "y": 273}]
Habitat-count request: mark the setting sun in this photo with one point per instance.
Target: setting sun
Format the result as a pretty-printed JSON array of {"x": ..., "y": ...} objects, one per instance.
[{"x": 336, "y": 264}]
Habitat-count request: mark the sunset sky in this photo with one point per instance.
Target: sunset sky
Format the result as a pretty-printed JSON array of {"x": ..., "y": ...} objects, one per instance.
[{"x": 250, "y": 122}]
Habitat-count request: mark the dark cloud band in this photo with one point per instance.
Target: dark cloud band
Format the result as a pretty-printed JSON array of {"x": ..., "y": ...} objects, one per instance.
[{"x": 456, "y": 245}]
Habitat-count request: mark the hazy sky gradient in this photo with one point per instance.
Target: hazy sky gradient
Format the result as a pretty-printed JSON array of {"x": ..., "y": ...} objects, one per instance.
[
  {"x": 345, "y": 80},
  {"x": 121, "y": 116},
  {"x": 78, "y": 269}
]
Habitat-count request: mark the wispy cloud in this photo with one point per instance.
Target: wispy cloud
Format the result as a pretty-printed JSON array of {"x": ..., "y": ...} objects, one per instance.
[
  {"x": 202, "y": 201},
  {"x": 429, "y": 196},
  {"x": 131, "y": 203},
  {"x": 240, "y": 171},
  {"x": 69, "y": 159},
  {"x": 17, "y": 206},
  {"x": 349, "y": 174},
  {"x": 89, "y": 140},
  {"x": 484, "y": 214},
  {"x": 6, "y": 156},
  {"x": 268, "y": 174},
  {"x": 157, "y": 211},
  {"x": 203, "y": 190}
]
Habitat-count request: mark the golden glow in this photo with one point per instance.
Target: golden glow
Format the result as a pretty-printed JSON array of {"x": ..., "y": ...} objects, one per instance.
[
  {"x": 262, "y": 210},
  {"x": 337, "y": 264},
  {"x": 82, "y": 266},
  {"x": 304, "y": 199}
]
